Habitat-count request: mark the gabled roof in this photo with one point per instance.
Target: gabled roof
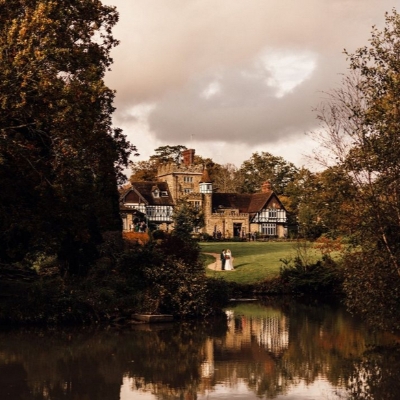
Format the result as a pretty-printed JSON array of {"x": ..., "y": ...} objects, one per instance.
[
  {"x": 143, "y": 192},
  {"x": 245, "y": 203},
  {"x": 130, "y": 210},
  {"x": 259, "y": 201},
  {"x": 231, "y": 200}
]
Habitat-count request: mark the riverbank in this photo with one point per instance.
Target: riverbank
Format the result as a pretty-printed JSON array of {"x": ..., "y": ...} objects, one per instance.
[{"x": 158, "y": 277}]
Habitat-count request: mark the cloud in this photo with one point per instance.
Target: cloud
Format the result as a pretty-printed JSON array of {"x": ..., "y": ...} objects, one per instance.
[{"x": 244, "y": 74}]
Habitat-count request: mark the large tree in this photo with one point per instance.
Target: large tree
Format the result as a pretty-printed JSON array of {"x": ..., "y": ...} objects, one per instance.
[
  {"x": 361, "y": 123},
  {"x": 263, "y": 167},
  {"x": 60, "y": 158},
  {"x": 143, "y": 171},
  {"x": 147, "y": 170},
  {"x": 317, "y": 199},
  {"x": 168, "y": 153}
]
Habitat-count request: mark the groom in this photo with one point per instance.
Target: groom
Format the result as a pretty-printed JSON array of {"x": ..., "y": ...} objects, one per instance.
[{"x": 222, "y": 257}]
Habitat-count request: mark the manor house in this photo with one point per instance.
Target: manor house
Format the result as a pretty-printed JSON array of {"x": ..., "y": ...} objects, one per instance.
[{"x": 227, "y": 215}]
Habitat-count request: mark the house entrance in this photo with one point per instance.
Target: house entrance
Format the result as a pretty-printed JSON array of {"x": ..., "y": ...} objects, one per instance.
[{"x": 237, "y": 229}]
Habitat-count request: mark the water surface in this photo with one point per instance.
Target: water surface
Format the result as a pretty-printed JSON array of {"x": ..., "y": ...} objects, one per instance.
[{"x": 261, "y": 350}]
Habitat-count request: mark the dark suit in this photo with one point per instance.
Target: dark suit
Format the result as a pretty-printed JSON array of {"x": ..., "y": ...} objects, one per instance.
[{"x": 222, "y": 256}]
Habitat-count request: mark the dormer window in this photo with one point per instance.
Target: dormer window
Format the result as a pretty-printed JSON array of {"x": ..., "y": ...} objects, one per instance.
[
  {"x": 164, "y": 193},
  {"x": 156, "y": 193}
]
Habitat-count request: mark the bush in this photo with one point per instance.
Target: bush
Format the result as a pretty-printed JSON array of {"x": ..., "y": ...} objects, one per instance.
[
  {"x": 322, "y": 278},
  {"x": 218, "y": 293},
  {"x": 163, "y": 276},
  {"x": 158, "y": 234},
  {"x": 371, "y": 286},
  {"x": 169, "y": 278}
]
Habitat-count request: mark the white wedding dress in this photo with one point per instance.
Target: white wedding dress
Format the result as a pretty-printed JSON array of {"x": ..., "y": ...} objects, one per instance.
[{"x": 228, "y": 261}]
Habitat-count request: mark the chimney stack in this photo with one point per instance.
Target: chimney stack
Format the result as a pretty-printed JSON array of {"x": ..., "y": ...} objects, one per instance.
[
  {"x": 266, "y": 187},
  {"x": 188, "y": 157}
]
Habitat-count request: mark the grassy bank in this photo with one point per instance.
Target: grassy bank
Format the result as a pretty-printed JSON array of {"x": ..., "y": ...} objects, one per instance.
[{"x": 254, "y": 261}]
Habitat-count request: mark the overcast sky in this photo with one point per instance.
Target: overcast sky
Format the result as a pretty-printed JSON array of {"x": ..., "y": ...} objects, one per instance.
[{"x": 232, "y": 77}]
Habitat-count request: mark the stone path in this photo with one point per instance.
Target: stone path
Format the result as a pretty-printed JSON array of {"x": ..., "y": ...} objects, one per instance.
[{"x": 216, "y": 266}]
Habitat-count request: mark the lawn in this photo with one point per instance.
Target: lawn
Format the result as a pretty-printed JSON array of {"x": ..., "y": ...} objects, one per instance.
[{"x": 253, "y": 261}]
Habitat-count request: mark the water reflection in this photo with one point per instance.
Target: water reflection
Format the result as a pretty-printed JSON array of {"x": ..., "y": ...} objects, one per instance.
[{"x": 265, "y": 350}]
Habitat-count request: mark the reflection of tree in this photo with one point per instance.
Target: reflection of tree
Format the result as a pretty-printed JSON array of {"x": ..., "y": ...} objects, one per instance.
[
  {"x": 13, "y": 381},
  {"x": 268, "y": 347},
  {"x": 375, "y": 376},
  {"x": 63, "y": 365},
  {"x": 86, "y": 364}
]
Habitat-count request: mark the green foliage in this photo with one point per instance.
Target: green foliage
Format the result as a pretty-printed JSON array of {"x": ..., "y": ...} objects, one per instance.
[
  {"x": 372, "y": 288},
  {"x": 266, "y": 167},
  {"x": 253, "y": 261},
  {"x": 225, "y": 178},
  {"x": 171, "y": 279},
  {"x": 321, "y": 279},
  {"x": 143, "y": 171},
  {"x": 186, "y": 218},
  {"x": 60, "y": 157},
  {"x": 159, "y": 234},
  {"x": 168, "y": 153},
  {"x": 362, "y": 125},
  {"x": 322, "y": 202}
]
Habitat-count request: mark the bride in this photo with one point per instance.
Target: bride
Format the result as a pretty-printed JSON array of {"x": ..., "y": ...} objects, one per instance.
[{"x": 228, "y": 261}]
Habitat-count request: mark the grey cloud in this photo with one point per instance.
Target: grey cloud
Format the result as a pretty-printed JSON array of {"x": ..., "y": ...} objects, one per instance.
[
  {"x": 171, "y": 50},
  {"x": 246, "y": 110}
]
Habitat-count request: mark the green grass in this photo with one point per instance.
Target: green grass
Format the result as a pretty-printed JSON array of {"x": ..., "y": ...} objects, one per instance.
[{"x": 253, "y": 261}]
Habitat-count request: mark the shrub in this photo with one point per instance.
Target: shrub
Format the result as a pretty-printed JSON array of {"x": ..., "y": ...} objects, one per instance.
[
  {"x": 322, "y": 278},
  {"x": 169, "y": 278},
  {"x": 371, "y": 286},
  {"x": 158, "y": 234}
]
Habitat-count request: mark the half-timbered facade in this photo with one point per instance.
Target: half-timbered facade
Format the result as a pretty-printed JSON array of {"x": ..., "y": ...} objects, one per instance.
[
  {"x": 152, "y": 199},
  {"x": 226, "y": 214}
]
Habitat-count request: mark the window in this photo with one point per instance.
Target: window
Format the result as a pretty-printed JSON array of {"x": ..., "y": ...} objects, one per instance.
[
  {"x": 196, "y": 204},
  {"x": 188, "y": 179},
  {"x": 156, "y": 193},
  {"x": 272, "y": 213},
  {"x": 151, "y": 211},
  {"x": 164, "y": 194},
  {"x": 187, "y": 191},
  {"x": 268, "y": 229}
]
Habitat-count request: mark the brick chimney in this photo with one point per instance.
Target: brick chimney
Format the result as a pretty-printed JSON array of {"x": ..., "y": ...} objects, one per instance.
[
  {"x": 188, "y": 157},
  {"x": 266, "y": 187}
]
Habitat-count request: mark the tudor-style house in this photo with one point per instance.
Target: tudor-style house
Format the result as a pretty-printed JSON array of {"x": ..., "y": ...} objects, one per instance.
[{"x": 226, "y": 214}]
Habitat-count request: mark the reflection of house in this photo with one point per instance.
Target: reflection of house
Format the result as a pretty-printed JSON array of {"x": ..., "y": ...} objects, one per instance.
[
  {"x": 270, "y": 332},
  {"x": 231, "y": 214}
]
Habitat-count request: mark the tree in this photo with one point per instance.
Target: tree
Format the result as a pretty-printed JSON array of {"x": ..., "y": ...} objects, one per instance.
[
  {"x": 316, "y": 199},
  {"x": 147, "y": 170},
  {"x": 225, "y": 178},
  {"x": 168, "y": 154},
  {"x": 361, "y": 124},
  {"x": 266, "y": 167},
  {"x": 60, "y": 159},
  {"x": 143, "y": 171},
  {"x": 186, "y": 218}
]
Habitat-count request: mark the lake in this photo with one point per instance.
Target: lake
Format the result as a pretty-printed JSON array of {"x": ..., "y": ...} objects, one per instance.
[{"x": 271, "y": 349}]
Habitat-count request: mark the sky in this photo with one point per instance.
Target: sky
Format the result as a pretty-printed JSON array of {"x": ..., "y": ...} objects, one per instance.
[{"x": 229, "y": 78}]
